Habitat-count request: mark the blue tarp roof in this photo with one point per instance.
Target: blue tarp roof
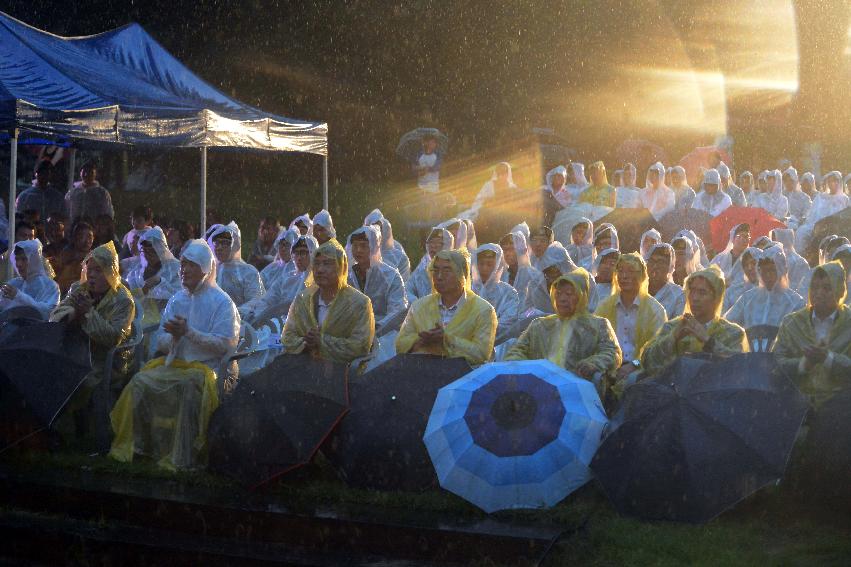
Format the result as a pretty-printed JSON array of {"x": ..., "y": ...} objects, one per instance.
[{"x": 121, "y": 86}]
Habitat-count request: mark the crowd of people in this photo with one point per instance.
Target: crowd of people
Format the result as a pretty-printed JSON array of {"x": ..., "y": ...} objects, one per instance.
[{"x": 610, "y": 315}]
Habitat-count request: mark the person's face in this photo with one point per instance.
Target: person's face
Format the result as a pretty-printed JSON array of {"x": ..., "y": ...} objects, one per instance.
[
  {"x": 821, "y": 294},
  {"x": 21, "y": 262},
  {"x": 597, "y": 176},
  {"x": 321, "y": 234},
  {"x": 150, "y": 254},
  {"x": 325, "y": 272},
  {"x": 429, "y": 145},
  {"x": 552, "y": 274},
  {"x": 138, "y": 222},
  {"x": 566, "y": 300},
  {"x": 509, "y": 254},
  {"x": 501, "y": 173},
  {"x": 653, "y": 178},
  {"x": 768, "y": 273},
  {"x": 701, "y": 298},
  {"x": 629, "y": 278},
  {"x": 762, "y": 184},
  {"x": 657, "y": 267},
  {"x": 539, "y": 245},
  {"x": 680, "y": 256},
  {"x": 833, "y": 185},
  {"x": 24, "y": 233},
  {"x": 486, "y": 266},
  {"x": 808, "y": 187},
  {"x": 677, "y": 178},
  {"x": 55, "y": 230},
  {"x": 577, "y": 235},
  {"x": 173, "y": 238},
  {"x": 284, "y": 251},
  {"x": 42, "y": 178},
  {"x": 191, "y": 274},
  {"x": 749, "y": 268},
  {"x": 222, "y": 248},
  {"x": 741, "y": 241},
  {"x": 83, "y": 240},
  {"x": 788, "y": 183},
  {"x": 606, "y": 269},
  {"x": 747, "y": 183},
  {"x": 301, "y": 256},
  {"x": 360, "y": 252},
  {"x": 302, "y": 228},
  {"x": 628, "y": 177},
  {"x": 710, "y": 188},
  {"x": 434, "y": 245},
  {"x": 444, "y": 278},
  {"x": 96, "y": 277},
  {"x": 88, "y": 175},
  {"x": 267, "y": 232},
  {"x": 557, "y": 181},
  {"x": 603, "y": 242},
  {"x": 770, "y": 183}
]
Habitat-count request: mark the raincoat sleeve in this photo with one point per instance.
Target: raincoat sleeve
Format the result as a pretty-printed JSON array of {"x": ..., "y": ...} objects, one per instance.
[
  {"x": 349, "y": 328},
  {"x": 506, "y": 312},
  {"x": 736, "y": 313},
  {"x": 45, "y": 298},
  {"x": 473, "y": 337},
  {"x": 661, "y": 349},
  {"x": 220, "y": 337},
  {"x": 527, "y": 347},
  {"x": 300, "y": 320},
  {"x": 253, "y": 284},
  {"x": 108, "y": 324},
  {"x": 728, "y": 338},
  {"x": 538, "y": 296},
  {"x": 397, "y": 305},
  {"x": 606, "y": 355}
]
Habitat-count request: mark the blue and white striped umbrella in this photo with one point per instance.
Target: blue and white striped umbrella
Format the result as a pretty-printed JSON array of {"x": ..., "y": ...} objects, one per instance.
[{"x": 515, "y": 434}]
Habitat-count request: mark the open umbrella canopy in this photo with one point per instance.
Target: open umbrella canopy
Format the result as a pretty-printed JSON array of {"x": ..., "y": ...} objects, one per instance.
[
  {"x": 631, "y": 224},
  {"x": 41, "y": 366},
  {"x": 379, "y": 443},
  {"x": 515, "y": 434},
  {"x": 691, "y": 219},
  {"x": 700, "y": 437},
  {"x": 838, "y": 224},
  {"x": 411, "y": 143},
  {"x": 277, "y": 418},
  {"x": 760, "y": 220}
]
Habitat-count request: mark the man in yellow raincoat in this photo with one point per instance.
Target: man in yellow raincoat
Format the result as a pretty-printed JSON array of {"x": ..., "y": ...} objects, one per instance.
[
  {"x": 164, "y": 411},
  {"x": 573, "y": 338},
  {"x": 814, "y": 343},
  {"x": 330, "y": 319},
  {"x": 453, "y": 321},
  {"x": 700, "y": 329}
]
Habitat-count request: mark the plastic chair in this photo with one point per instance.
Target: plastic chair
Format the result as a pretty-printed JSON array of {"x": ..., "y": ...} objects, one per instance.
[{"x": 761, "y": 337}]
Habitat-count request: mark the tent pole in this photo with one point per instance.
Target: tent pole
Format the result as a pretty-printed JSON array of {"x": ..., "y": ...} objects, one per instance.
[
  {"x": 13, "y": 187},
  {"x": 203, "y": 224},
  {"x": 325, "y": 182}
]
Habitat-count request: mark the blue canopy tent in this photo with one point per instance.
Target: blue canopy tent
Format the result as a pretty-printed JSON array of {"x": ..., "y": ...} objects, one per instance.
[{"x": 122, "y": 87}]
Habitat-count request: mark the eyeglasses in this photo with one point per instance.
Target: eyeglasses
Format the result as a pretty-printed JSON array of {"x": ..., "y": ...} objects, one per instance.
[{"x": 442, "y": 272}]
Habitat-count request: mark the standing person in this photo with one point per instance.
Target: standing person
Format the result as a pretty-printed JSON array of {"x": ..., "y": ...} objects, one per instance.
[
  {"x": 323, "y": 227},
  {"x": 427, "y": 165},
  {"x": 683, "y": 194},
  {"x": 263, "y": 252},
  {"x": 700, "y": 329},
  {"x": 736, "y": 194},
  {"x": 453, "y": 321},
  {"x": 530, "y": 283},
  {"x": 32, "y": 287},
  {"x": 599, "y": 193},
  {"x": 799, "y": 202},
  {"x": 392, "y": 251},
  {"x": 710, "y": 198},
  {"x": 657, "y": 197},
  {"x": 490, "y": 265},
  {"x": 330, "y": 320},
  {"x": 660, "y": 279},
  {"x": 628, "y": 194},
  {"x": 241, "y": 281},
  {"x": 88, "y": 198},
  {"x": 813, "y": 345},
  {"x": 42, "y": 196},
  {"x": 72, "y": 257},
  {"x": 773, "y": 200}
]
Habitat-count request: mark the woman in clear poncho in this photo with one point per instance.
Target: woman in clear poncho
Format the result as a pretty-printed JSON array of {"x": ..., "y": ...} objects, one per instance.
[
  {"x": 330, "y": 320},
  {"x": 392, "y": 251},
  {"x": 572, "y": 338},
  {"x": 419, "y": 285},
  {"x": 748, "y": 187},
  {"x": 164, "y": 410},
  {"x": 711, "y": 198},
  {"x": 737, "y": 196},
  {"x": 628, "y": 196},
  {"x": 749, "y": 279},
  {"x": 555, "y": 263},
  {"x": 773, "y": 200},
  {"x": 602, "y": 273},
  {"x": 282, "y": 265},
  {"x": 799, "y": 268},
  {"x": 555, "y": 184},
  {"x": 498, "y": 188},
  {"x": 323, "y": 227},
  {"x": 648, "y": 240},
  {"x": 660, "y": 279},
  {"x": 157, "y": 275},
  {"x": 240, "y": 280},
  {"x": 489, "y": 266},
  {"x": 577, "y": 184},
  {"x": 799, "y": 202},
  {"x": 824, "y": 204},
  {"x": 581, "y": 247},
  {"x": 813, "y": 344},
  {"x": 277, "y": 299},
  {"x": 32, "y": 287},
  {"x": 772, "y": 300},
  {"x": 686, "y": 258},
  {"x": 530, "y": 283},
  {"x": 453, "y": 321},
  {"x": 657, "y": 197},
  {"x": 701, "y": 329},
  {"x": 303, "y": 224},
  {"x": 684, "y": 195}
]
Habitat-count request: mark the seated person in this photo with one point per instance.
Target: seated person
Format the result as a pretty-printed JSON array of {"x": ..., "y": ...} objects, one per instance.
[
  {"x": 164, "y": 410},
  {"x": 555, "y": 263},
  {"x": 657, "y": 197},
  {"x": 728, "y": 259},
  {"x": 573, "y": 338},
  {"x": 634, "y": 314},
  {"x": 813, "y": 344},
  {"x": 263, "y": 253},
  {"x": 605, "y": 237},
  {"x": 686, "y": 258},
  {"x": 772, "y": 300},
  {"x": 141, "y": 219},
  {"x": 392, "y": 251},
  {"x": 158, "y": 274},
  {"x": 282, "y": 264},
  {"x": 489, "y": 264},
  {"x": 56, "y": 241},
  {"x": 72, "y": 256},
  {"x": 419, "y": 285},
  {"x": 660, "y": 282},
  {"x": 530, "y": 283},
  {"x": 134, "y": 259},
  {"x": 843, "y": 255},
  {"x": 323, "y": 227},
  {"x": 799, "y": 268},
  {"x": 178, "y": 235},
  {"x": 750, "y": 280},
  {"x": 330, "y": 319},
  {"x": 239, "y": 280},
  {"x": 103, "y": 309},
  {"x": 458, "y": 230},
  {"x": 599, "y": 192},
  {"x": 628, "y": 195},
  {"x": 711, "y": 199},
  {"x": 539, "y": 240},
  {"x": 32, "y": 287},
  {"x": 581, "y": 247},
  {"x": 453, "y": 321},
  {"x": 303, "y": 224},
  {"x": 648, "y": 240},
  {"x": 701, "y": 329},
  {"x": 603, "y": 271}
]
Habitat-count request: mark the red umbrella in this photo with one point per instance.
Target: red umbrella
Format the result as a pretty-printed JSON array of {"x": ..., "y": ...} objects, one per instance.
[
  {"x": 761, "y": 222},
  {"x": 702, "y": 157}
]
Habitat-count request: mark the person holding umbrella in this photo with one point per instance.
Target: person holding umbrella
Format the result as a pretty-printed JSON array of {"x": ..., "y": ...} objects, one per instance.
[
  {"x": 701, "y": 329},
  {"x": 572, "y": 338},
  {"x": 814, "y": 343},
  {"x": 453, "y": 321},
  {"x": 427, "y": 165},
  {"x": 330, "y": 319}
]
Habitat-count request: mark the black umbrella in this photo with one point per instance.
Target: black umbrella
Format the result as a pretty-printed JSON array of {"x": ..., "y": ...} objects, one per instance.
[
  {"x": 41, "y": 366},
  {"x": 691, "y": 219},
  {"x": 380, "y": 442},
  {"x": 837, "y": 223},
  {"x": 410, "y": 144},
  {"x": 277, "y": 418},
  {"x": 631, "y": 224},
  {"x": 826, "y": 462},
  {"x": 699, "y": 438}
]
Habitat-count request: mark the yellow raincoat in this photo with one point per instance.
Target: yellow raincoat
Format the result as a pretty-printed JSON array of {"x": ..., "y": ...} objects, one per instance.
[
  {"x": 349, "y": 326},
  {"x": 729, "y": 338},
  {"x": 797, "y": 332},
  {"x": 471, "y": 332},
  {"x": 651, "y": 314},
  {"x": 568, "y": 342}
]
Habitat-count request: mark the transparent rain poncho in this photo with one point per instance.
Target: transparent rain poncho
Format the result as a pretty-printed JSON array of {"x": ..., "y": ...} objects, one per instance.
[
  {"x": 563, "y": 194},
  {"x": 763, "y": 306},
  {"x": 280, "y": 268},
  {"x": 580, "y": 182},
  {"x": 601, "y": 231},
  {"x": 799, "y": 268},
  {"x": 472, "y": 240},
  {"x": 750, "y": 196},
  {"x": 323, "y": 219},
  {"x": 36, "y": 290},
  {"x": 392, "y": 251},
  {"x": 702, "y": 258},
  {"x": 488, "y": 191},
  {"x": 729, "y": 267},
  {"x": 713, "y": 204},
  {"x": 241, "y": 281},
  {"x": 458, "y": 229},
  {"x": 773, "y": 200},
  {"x": 499, "y": 294},
  {"x": 531, "y": 285},
  {"x": 683, "y": 193},
  {"x": 659, "y": 199},
  {"x": 628, "y": 195},
  {"x": 583, "y": 253},
  {"x": 419, "y": 285},
  {"x": 736, "y": 290},
  {"x": 670, "y": 295},
  {"x": 305, "y": 220},
  {"x": 648, "y": 240},
  {"x": 829, "y": 202},
  {"x": 168, "y": 274},
  {"x": 737, "y": 196},
  {"x": 601, "y": 290},
  {"x": 799, "y": 202},
  {"x": 557, "y": 256}
]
